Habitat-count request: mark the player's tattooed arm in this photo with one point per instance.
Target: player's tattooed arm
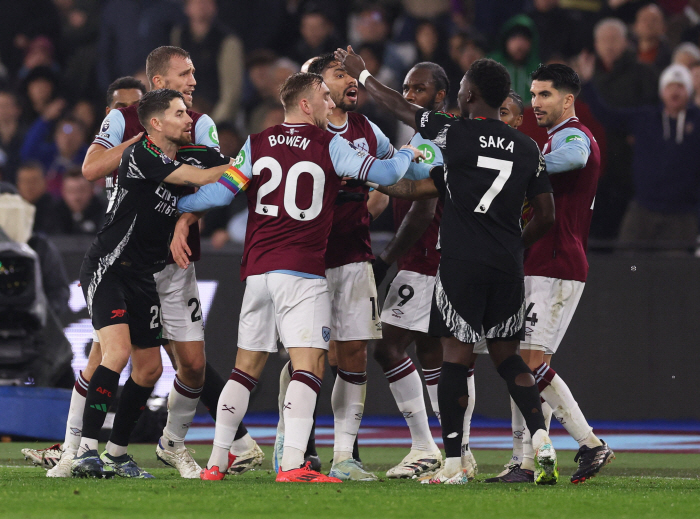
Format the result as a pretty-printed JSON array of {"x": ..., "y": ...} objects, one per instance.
[
  {"x": 192, "y": 184},
  {"x": 390, "y": 99},
  {"x": 411, "y": 189},
  {"x": 542, "y": 219}
]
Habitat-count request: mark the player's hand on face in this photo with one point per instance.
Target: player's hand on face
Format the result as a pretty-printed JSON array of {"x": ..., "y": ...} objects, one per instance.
[
  {"x": 178, "y": 246},
  {"x": 417, "y": 154},
  {"x": 352, "y": 62}
]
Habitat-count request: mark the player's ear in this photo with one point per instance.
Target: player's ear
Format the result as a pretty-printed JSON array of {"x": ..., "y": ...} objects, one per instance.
[
  {"x": 440, "y": 96},
  {"x": 157, "y": 82}
]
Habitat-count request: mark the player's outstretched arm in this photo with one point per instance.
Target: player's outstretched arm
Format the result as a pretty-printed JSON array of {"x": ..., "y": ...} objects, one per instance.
[
  {"x": 217, "y": 194},
  {"x": 100, "y": 161},
  {"x": 390, "y": 99},
  {"x": 388, "y": 172},
  {"x": 542, "y": 220},
  {"x": 187, "y": 175},
  {"x": 412, "y": 189}
]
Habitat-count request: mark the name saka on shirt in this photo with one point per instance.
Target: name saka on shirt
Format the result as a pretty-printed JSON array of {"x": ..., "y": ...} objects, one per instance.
[{"x": 498, "y": 142}]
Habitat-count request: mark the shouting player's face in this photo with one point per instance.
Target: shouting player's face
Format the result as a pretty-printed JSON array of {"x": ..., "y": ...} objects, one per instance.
[
  {"x": 548, "y": 103},
  {"x": 321, "y": 105},
  {"x": 180, "y": 77},
  {"x": 343, "y": 87},
  {"x": 176, "y": 124},
  {"x": 510, "y": 113},
  {"x": 419, "y": 89}
]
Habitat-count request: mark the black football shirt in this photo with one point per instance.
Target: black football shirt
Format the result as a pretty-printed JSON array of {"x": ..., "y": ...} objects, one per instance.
[
  {"x": 142, "y": 210},
  {"x": 490, "y": 168}
]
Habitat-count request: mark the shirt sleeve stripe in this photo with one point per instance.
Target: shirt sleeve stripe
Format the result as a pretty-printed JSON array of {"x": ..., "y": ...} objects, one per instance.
[
  {"x": 389, "y": 153},
  {"x": 366, "y": 165},
  {"x": 103, "y": 142}
]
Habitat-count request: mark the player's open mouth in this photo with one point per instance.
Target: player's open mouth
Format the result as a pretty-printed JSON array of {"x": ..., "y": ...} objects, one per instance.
[
  {"x": 540, "y": 115},
  {"x": 351, "y": 94}
]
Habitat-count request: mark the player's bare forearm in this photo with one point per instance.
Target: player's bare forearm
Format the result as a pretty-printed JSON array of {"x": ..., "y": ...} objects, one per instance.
[
  {"x": 542, "y": 219},
  {"x": 376, "y": 203},
  {"x": 390, "y": 99},
  {"x": 411, "y": 189},
  {"x": 100, "y": 161},
  {"x": 416, "y": 222},
  {"x": 187, "y": 175}
]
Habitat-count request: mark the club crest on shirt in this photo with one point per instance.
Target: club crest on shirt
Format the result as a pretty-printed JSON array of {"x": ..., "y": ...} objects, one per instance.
[
  {"x": 362, "y": 144},
  {"x": 360, "y": 151},
  {"x": 326, "y": 333}
]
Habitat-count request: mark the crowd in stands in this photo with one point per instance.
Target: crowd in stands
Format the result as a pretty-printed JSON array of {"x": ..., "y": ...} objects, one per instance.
[{"x": 57, "y": 58}]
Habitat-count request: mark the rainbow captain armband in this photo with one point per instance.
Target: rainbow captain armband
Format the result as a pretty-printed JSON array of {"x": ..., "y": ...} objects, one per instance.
[{"x": 234, "y": 180}]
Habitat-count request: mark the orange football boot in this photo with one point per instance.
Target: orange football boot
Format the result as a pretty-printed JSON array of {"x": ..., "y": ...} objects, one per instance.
[
  {"x": 214, "y": 473},
  {"x": 304, "y": 475}
]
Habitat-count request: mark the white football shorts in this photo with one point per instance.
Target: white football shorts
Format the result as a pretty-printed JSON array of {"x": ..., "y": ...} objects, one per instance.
[
  {"x": 407, "y": 303},
  {"x": 550, "y": 305},
  {"x": 354, "y": 305},
  {"x": 180, "y": 304},
  {"x": 294, "y": 309}
]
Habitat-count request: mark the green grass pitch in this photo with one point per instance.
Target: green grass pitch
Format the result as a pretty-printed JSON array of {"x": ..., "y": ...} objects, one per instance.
[{"x": 634, "y": 486}]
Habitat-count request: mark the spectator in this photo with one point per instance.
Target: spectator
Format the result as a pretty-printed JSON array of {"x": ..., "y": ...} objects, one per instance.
[
  {"x": 271, "y": 77},
  {"x": 317, "y": 35},
  {"x": 260, "y": 64},
  {"x": 430, "y": 45},
  {"x": 695, "y": 74},
  {"x": 66, "y": 150},
  {"x": 622, "y": 82},
  {"x": 650, "y": 34},
  {"x": 465, "y": 49},
  {"x": 39, "y": 90},
  {"x": 519, "y": 52},
  {"x": 31, "y": 185},
  {"x": 39, "y": 53},
  {"x": 372, "y": 55},
  {"x": 686, "y": 54},
  {"x": 371, "y": 25},
  {"x": 218, "y": 55},
  {"x": 556, "y": 29},
  {"x": 84, "y": 111},
  {"x": 666, "y": 162},
  {"x": 685, "y": 26},
  {"x": 79, "y": 211},
  {"x": 11, "y": 135}
]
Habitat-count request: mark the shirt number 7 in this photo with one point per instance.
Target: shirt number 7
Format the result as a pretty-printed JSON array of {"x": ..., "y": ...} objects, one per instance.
[{"x": 505, "y": 168}]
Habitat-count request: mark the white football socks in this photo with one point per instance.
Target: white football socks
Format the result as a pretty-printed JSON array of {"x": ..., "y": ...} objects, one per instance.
[
  {"x": 407, "y": 388},
  {"x": 285, "y": 379},
  {"x": 518, "y": 426},
  {"x": 558, "y": 395},
  {"x": 74, "y": 423},
  {"x": 348, "y": 401},
  {"x": 232, "y": 406},
  {"x": 182, "y": 406},
  {"x": 299, "y": 405},
  {"x": 527, "y": 452},
  {"x": 432, "y": 376},
  {"x": 115, "y": 450}
]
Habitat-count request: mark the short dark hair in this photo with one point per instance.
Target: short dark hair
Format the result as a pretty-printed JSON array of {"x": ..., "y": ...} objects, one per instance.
[
  {"x": 156, "y": 102},
  {"x": 491, "y": 79},
  {"x": 124, "y": 83},
  {"x": 322, "y": 63},
  {"x": 439, "y": 75},
  {"x": 296, "y": 85},
  {"x": 563, "y": 77},
  {"x": 158, "y": 61},
  {"x": 517, "y": 100},
  {"x": 74, "y": 172}
]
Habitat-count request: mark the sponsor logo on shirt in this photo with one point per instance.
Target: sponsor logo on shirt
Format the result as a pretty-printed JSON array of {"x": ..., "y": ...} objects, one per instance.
[
  {"x": 429, "y": 153},
  {"x": 214, "y": 135},
  {"x": 424, "y": 119},
  {"x": 573, "y": 138},
  {"x": 240, "y": 159}
]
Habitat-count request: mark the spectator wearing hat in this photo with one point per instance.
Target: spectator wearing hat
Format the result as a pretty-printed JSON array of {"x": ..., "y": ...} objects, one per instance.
[
  {"x": 519, "y": 52},
  {"x": 666, "y": 161}
]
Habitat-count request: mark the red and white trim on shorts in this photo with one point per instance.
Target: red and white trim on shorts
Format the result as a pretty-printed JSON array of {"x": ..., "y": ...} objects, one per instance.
[{"x": 400, "y": 370}]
